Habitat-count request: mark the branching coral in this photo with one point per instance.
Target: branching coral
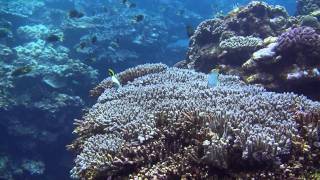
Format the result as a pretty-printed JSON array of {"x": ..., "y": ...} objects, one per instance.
[
  {"x": 169, "y": 123},
  {"x": 238, "y": 43}
]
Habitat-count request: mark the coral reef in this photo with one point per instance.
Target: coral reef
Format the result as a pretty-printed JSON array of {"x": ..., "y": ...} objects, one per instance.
[
  {"x": 41, "y": 88},
  {"x": 166, "y": 123},
  {"x": 33, "y": 167},
  {"x": 21, "y": 8},
  {"x": 290, "y": 64},
  {"x": 36, "y": 32},
  {"x": 49, "y": 61},
  {"x": 39, "y": 51},
  {"x": 283, "y": 56},
  {"x": 307, "y": 6},
  {"x": 256, "y": 20},
  {"x": 27, "y": 167}
]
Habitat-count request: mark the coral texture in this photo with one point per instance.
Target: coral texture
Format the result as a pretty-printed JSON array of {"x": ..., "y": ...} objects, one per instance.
[
  {"x": 290, "y": 64},
  {"x": 258, "y": 20},
  {"x": 170, "y": 124},
  {"x": 302, "y": 39},
  {"x": 128, "y": 75},
  {"x": 307, "y": 6},
  {"x": 38, "y": 31},
  {"x": 240, "y": 43}
]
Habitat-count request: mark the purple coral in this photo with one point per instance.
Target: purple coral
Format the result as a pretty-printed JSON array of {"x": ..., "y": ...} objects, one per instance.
[{"x": 303, "y": 39}]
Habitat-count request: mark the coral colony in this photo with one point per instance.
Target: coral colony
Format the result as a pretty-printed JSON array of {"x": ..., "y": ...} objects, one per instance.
[{"x": 168, "y": 122}]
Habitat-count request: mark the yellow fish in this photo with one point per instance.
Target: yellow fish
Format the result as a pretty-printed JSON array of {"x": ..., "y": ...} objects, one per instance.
[{"x": 114, "y": 78}]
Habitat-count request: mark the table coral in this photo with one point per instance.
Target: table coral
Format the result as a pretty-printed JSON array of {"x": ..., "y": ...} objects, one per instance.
[{"x": 170, "y": 124}]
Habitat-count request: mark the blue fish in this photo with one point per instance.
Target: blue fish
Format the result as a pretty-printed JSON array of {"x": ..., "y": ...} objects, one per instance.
[{"x": 213, "y": 78}]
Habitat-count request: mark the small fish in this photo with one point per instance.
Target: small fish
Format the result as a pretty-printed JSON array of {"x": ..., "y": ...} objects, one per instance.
[
  {"x": 114, "y": 78},
  {"x": 75, "y": 14},
  {"x": 124, "y": 1},
  {"x": 82, "y": 45},
  {"x": 4, "y": 32},
  {"x": 21, "y": 70},
  {"x": 138, "y": 18},
  {"x": 114, "y": 44},
  {"x": 190, "y": 30},
  {"x": 94, "y": 39},
  {"x": 180, "y": 12},
  {"x": 162, "y": 8},
  {"x": 131, "y": 5},
  {"x": 53, "y": 38},
  {"x": 213, "y": 78}
]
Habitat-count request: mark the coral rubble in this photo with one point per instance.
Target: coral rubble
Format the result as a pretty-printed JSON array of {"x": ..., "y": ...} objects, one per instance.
[{"x": 167, "y": 123}]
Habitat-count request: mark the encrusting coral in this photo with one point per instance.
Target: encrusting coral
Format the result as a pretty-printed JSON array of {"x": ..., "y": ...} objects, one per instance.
[
  {"x": 256, "y": 20},
  {"x": 168, "y": 123},
  {"x": 291, "y": 63}
]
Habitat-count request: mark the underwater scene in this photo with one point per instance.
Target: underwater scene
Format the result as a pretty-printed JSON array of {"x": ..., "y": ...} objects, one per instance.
[{"x": 159, "y": 89}]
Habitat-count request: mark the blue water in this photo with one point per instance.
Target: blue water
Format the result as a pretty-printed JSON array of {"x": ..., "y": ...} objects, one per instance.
[{"x": 54, "y": 76}]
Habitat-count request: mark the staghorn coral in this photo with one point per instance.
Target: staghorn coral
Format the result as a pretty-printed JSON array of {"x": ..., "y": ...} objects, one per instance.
[{"x": 169, "y": 123}]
